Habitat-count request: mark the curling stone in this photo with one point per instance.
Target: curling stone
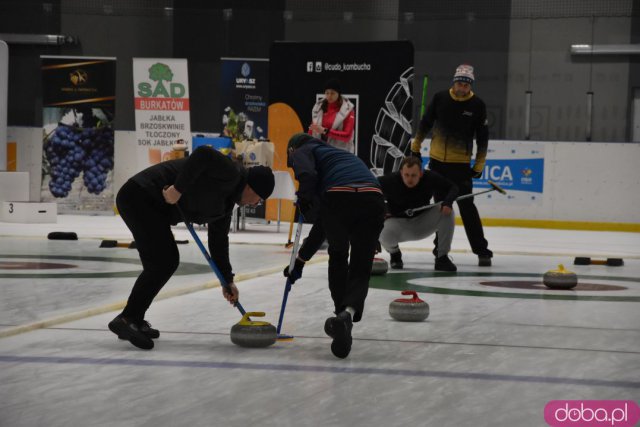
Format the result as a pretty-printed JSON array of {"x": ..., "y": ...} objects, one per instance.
[
  {"x": 380, "y": 266},
  {"x": 250, "y": 333},
  {"x": 409, "y": 309},
  {"x": 560, "y": 278}
]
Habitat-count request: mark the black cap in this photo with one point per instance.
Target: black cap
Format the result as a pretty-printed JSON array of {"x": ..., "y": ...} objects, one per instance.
[
  {"x": 296, "y": 141},
  {"x": 333, "y": 84},
  {"x": 261, "y": 180}
]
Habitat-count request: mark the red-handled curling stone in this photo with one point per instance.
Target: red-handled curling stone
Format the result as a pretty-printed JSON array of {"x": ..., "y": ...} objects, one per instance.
[{"x": 409, "y": 309}]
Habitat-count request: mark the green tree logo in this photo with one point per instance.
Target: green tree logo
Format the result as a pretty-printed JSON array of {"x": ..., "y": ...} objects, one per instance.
[
  {"x": 162, "y": 75},
  {"x": 159, "y": 72}
]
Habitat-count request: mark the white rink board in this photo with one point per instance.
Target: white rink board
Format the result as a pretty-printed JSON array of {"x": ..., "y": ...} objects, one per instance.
[{"x": 583, "y": 181}]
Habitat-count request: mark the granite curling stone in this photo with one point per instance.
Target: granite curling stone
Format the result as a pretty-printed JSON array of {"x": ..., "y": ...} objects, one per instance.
[
  {"x": 253, "y": 334},
  {"x": 409, "y": 309},
  {"x": 380, "y": 266},
  {"x": 560, "y": 278}
]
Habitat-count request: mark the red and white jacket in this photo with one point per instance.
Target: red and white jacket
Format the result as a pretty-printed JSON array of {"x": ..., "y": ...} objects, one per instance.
[{"x": 339, "y": 121}]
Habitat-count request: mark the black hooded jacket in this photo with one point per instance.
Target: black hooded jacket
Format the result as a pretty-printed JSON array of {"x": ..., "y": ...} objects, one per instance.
[{"x": 211, "y": 184}]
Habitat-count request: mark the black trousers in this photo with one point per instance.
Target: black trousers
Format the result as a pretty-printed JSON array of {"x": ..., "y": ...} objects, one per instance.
[
  {"x": 149, "y": 223},
  {"x": 352, "y": 223},
  {"x": 460, "y": 174}
]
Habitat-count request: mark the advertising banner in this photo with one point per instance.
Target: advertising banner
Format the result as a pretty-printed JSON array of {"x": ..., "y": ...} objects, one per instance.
[
  {"x": 516, "y": 166},
  {"x": 78, "y": 136},
  {"x": 244, "y": 93},
  {"x": 377, "y": 77},
  {"x": 161, "y": 91}
]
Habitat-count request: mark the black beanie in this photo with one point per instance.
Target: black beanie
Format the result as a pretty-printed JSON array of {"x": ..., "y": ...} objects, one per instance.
[
  {"x": 261, "y": 180},
  {"x": 333, "y": 84}
]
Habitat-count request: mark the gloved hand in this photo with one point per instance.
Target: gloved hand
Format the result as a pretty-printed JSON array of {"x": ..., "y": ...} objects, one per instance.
[
  {"x": 296, "y": 273},
  {"x": 306, "y": 206},
  {"x": 474, "y": 174},
  {"x": 416, "y": 144}
]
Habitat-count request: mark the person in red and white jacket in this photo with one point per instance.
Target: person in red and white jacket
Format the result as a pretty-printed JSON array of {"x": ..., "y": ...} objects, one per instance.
[{"x": 333, "y": 118}]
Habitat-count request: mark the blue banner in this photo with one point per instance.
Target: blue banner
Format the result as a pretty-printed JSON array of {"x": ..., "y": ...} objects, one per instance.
[
  {"x": 513, "y": 174},
  {"x": 510, "y": 174},
  {"x": 244, "y": 91}
]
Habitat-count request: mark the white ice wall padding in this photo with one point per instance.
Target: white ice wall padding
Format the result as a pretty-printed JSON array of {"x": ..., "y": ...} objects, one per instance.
[
  {"x": 14, "y": 186},
  {"x": 29, "y": 212},
  {"x": 597, "y": 182},
  {"x": 594, "y": 182},
  {"x": 588, "y": 182}
]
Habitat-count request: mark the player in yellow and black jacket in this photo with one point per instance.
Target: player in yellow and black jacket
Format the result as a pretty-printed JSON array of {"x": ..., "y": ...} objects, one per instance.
[{"x": 457, "y": 116}]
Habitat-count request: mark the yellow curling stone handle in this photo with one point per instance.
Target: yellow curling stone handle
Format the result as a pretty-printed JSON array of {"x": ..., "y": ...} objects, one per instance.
[
  {"x": 245, "y": 321},
  {"x": 561, "y": 270}
]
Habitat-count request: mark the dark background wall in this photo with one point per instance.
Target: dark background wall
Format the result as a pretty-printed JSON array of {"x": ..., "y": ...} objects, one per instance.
[{"x": 514, "y": 45}]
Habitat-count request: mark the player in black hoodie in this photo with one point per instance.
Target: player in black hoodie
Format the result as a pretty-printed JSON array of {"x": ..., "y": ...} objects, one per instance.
[
  {"x": 411, "y": 188},
  {"x": 206, "y": 186}
]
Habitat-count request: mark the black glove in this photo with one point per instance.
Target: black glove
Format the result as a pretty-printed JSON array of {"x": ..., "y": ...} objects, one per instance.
[
  {"x": 474, "y": 174},
  {"x": 296, "y": 273},
  {"x": 306, "y": 206}
]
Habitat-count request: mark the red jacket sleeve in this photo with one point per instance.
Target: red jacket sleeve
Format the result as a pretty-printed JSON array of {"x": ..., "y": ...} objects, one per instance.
[{"x": 347, "y": 129}]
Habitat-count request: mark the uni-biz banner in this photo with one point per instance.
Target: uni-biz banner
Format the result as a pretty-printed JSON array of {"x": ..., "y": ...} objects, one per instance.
[
  {"x": 78, "y": 137},
  {"x": 516, "y": 166},
  {"x": 161, "y": 91},
  {"x": 244, "y": 89},
  {"x": 244, "y": 92}
]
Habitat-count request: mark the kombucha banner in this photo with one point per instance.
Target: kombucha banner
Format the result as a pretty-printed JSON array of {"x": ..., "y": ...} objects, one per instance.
[
  {"x": 377, "y": 77},
  {"x": 161, "y": 91},
  {"x": 78, "y": 115}
]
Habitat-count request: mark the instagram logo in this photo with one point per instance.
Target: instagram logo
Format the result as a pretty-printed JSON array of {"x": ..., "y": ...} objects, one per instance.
[{"x": 592, "y": 413}]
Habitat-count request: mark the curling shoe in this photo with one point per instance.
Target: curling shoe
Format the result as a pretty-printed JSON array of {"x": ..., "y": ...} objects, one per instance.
[
  {"x": 484, "y": 258},
  {"x": 444, "y": 263},
  {"x": 131, "y": 331},
  {"x": 396, "y": 261},
  {"x": 339, "y": 328}
]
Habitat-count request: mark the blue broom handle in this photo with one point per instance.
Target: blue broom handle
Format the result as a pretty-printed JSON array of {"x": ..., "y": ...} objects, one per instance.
[
  {"x": 213, "y": 265},
  {"x": 294, "y": 254}
]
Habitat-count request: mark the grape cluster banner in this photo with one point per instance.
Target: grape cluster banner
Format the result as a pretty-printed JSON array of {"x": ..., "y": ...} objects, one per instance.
[
  {"x": 78, "y": 134},
  {"x": 161, "y": 91}
]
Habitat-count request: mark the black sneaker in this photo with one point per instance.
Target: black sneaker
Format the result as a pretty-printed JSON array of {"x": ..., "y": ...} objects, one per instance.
[
  {"x": 484, "y": 261},
  {"x": 339, "y": 328},
  {"x": 145, "y": 328},
  {"x": 130, "y": 331},
  {"x": 443, "y": 263},
  {"x": 484, "y": 258},
  {"x": 396, "y": 261}
]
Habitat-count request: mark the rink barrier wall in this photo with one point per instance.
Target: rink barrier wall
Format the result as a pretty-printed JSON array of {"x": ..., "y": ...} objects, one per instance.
[{"x": 587, "y": 185}]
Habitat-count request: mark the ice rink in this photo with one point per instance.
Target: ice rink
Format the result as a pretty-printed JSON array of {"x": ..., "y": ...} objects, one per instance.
[{"x": 495, "y": 349}]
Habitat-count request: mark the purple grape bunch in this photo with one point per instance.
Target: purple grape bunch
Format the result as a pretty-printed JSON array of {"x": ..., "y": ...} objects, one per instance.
[
  {"x": 98, "y": 159},
  {"x": 72, "y": 150}
]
